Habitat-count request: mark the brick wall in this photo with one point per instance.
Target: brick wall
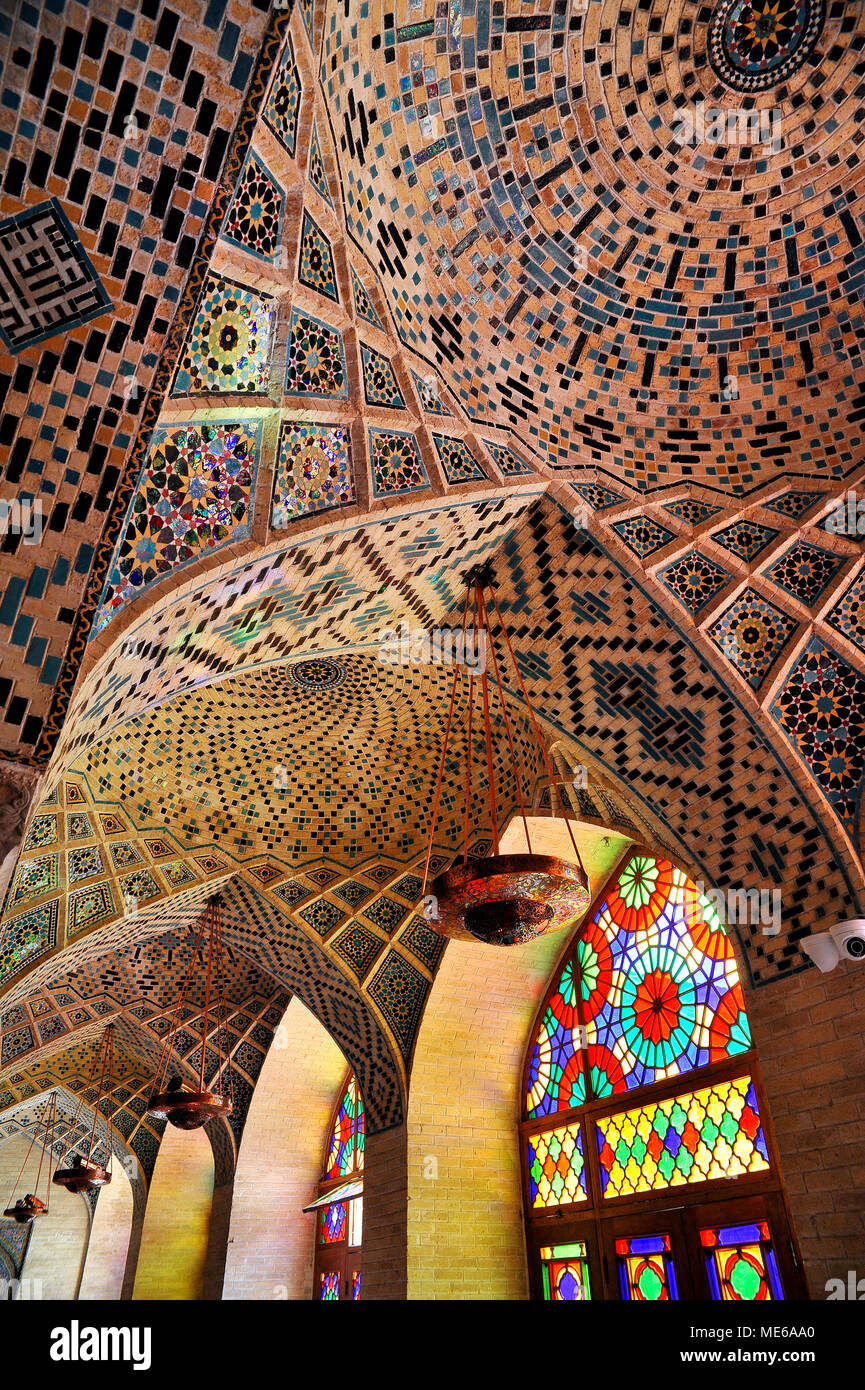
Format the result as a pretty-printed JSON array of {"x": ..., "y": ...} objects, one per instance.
[
  {"x": 105, "y": 1262},
  {"x": 270, "y": 1248},
  {"x": 385, "y": 1194},
  {"x": 173, "y": 1249},
  {"x": 809, "y": 1034}
]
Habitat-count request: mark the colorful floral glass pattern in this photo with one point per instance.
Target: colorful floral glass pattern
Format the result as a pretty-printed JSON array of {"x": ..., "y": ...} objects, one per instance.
[
  {"x": 848, "y": 616},
  {"x": 565, "y": 1273},
  {"x": 229, "y": 342},
  {"x": 396, "y": 462},
  {"x": 380, "y": 385},
  {"x": 313, "y": 470},
  {"x": 646, "y": 1272},
  {"x": 254, "y": 220},
  {"x": 699, "y": 1137},
  {"x": 556, "y": 1167},
  {"x": 363, "y": 305},
  {"x": 316, "y": 359},
  {"x": 751, "y": 634},
  {"x": 456, "y": 459},
  {"x": 822, "y": 711},
  {"x": 642, "y": 535},
  {"x": 332, "y": 1223},
  {"x": 741, "y": 1264},
  {"x": 27, "y": 937},
  {"x": 194, "y": 496},
  {"x": 345, "y": 1152},
  {"x": 694, "y": 580},
  {"x": 745, "y": 538},
  {"x": 805, "y": 571},
  {"x": 659, "y": 993},
  {"x": 281, "y": 107},
  {"x": 316, "y": 260}
]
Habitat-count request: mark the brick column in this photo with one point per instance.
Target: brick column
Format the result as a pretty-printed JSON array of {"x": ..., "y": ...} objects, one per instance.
[{"x": 385, "y": 1203}]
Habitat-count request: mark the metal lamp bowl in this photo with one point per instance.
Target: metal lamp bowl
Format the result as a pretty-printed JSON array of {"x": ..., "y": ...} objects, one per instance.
[
  {"x": 26, "y": 1212},
  {"x": 188, "y": 1109},
  {"x": 509, "y": 899},
  {"x": 87, "y": 1177}
]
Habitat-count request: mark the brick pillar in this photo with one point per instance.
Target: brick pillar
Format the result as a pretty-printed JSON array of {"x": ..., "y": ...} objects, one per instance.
[
  {"x": 107, "y": 1252},
  {"x": 173, "y": 1252},
  {"x": 385, "y": 1203},
  {"x": 217, "y": 1242},
  {"x": 809, "y": 1035}
]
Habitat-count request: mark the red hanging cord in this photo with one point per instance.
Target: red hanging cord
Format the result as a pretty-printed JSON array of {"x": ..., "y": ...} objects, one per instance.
[
  {"x": 99, "y": 1093},
  {"x": 470, "y": 732},
  {"x": 514, "y": 763},
  {"x": 491, "y": 776},
  {"x": 209, "y": 916},
  {"x": 438, "y": 790}
]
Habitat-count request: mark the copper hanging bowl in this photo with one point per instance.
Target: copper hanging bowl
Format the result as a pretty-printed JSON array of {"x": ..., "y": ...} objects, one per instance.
[
  {"x": 188, "y": 1109},
  {"x": 25, "y": 1209},
  {"x": 83, "y": 1176},
  {"x": 509, "y": 899}
]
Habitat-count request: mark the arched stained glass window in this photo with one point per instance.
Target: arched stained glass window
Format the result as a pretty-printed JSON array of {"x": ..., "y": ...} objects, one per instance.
[
  {"x": 346, "y": 1145},
  {"x": 642, "y": 1078},
  {"x": 339, "y": 1205}
]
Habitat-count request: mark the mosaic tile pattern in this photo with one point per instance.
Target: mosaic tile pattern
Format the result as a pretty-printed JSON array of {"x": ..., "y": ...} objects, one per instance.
[
  {"x": 747, "y": 539},
  {"x": 751, "y": 634},
  {"x": 292, "y": 892},
  {"x": 316, "y": 360},
  {"x": 507, "y": 461},
  {"x": 315, "y": 168},
  {"x": 26, "y": 937},
  {"x": 848, "y": 615},
  {"x": 352, "y": 892},
  {"x": 283, "y": 101},
  {"x": 380, "y": 386},
  {"x": 597, "y": 496},
  {"x": 363, "y": 305},
  {"x": 194, "y": 495},
  {"x": 385, "y": 913},
  {"x": 694, "y": 580},
  {"x": 691, "y": 511},
  {"x": 396, "y": 462},
  {"x": 85, "y": 863},
  {"x": 34, "y": 878},
  {"x": 254, "y": 220},
  {"x": 322, "y": 916},
  {"x": 178, "y": 874},
  {"x": 78, "y": 826},
  {"x": 124, "y": 855},
  {"x": 88, "y": 907},
  {"x": 457, "y": 460},
  {"x": 821, "y": 709},
  {"x": 424, "y": 943},
  {"x": 42, "y": 832},
  {"x": 359, "y": 948},
  {"x": 229, "y": 343},
  {"x": 642, "y": 535},
  {"x": 400, "y": 991},
  {"x": 805, "y": 571},
  {"x": 47, "y": 282},
  {"x": 316, "y": 269},
  {"x": 794, "y": 504},
  {"x": 428, "y": 389},
  {"x": 313, "y": 470}
]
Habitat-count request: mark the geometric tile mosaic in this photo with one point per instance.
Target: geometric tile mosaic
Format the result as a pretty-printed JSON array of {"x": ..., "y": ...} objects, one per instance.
[
  {"x": 794, "y": 504},
  {"x": 396, "y": 462},
  {"x": 848, "y": 615},
  {"x": 34, "y": 878},
  {"x": 363, "y": 305},
  {"x": 140, "y": 885},
  {"x": 751, "y": 633},
  {"x": 316, "y": 260},
  {"x": 429, "y": 394},
  {"x": 385, "y": 913},
  {"x": 694, "y": 579},
  {"x": 805, "y": 571},
  {"x": 821, "y": 709},
  {"x": 194, "y": 495},
  {"x": 745, "y": 538},
  {"x": 47, "y": 283},
  {"x": 425, "y": 944},
  {"x": 507, "y": 462},
  {"x": 23, "y": 939},
  {"x": 358, "y": 947},
  {"x": 283, "y": 101},
  {"x": 316, "y": 359},
  {"x": 229, "y": 342},
  {"x": 352, "y": 892},
  {"x": 124, "y": 854},
  {"x": 597, "y": 496},
  {"x": 315, "y": 167},
  {"x": 85, "y": 863},
  {"x": 313, "y": 470},
  {"x": 42, "y": 832},
  {"x": 458, "y": 462},
  {"x": 78, "y": 826},
  {"x": 322, "y": 916},
  {"x": 89, "y": 906},
  {"x": 254, "y": 220},
  {"x": 379, "y": 383},
  {"x": 642, "y": 535},
  {"x": 690, "y": 510},
  {"x": 400, "y": 991}
]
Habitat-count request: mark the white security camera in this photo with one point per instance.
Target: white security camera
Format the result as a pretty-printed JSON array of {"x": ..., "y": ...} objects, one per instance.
[{"x": 844, "y": 941}]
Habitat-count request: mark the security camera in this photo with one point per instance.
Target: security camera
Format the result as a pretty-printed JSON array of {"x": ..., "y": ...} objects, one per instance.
[{"x": 844, "y": 941}]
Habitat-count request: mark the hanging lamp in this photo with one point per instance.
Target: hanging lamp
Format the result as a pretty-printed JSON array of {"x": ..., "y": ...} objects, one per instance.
[
  {"x": 503, "y": 899},
  {"x": 181, "y": 1106},
  {"x": 83, "y": 1173},
  {"x": 28, "y": 1207}
]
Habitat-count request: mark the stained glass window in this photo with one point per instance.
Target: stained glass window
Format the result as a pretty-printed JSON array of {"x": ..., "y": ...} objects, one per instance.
[
  {"x": 355, "y": 1285},
  {"x": 712, "y": 1133},
  {"x": 332, "y": 1222},
  {"x": 556, "y": 1167},
  {"x": 646, "y": 1272},
  {"x": 565, "y": 1273},
  {"x": 346, "y": 1145},
  {"x": 329, "y": 1286},
  {"x": 741, "y": 1263},
  {"x": 657, "y": 993}
]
